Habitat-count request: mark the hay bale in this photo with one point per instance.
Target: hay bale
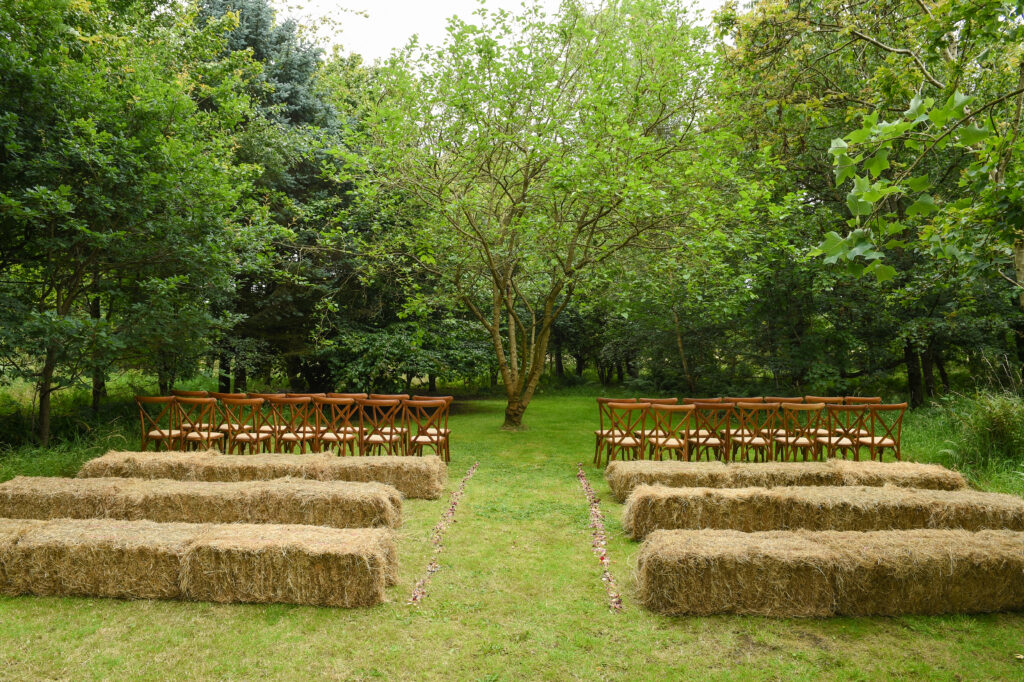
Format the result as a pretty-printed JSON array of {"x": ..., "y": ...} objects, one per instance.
[
  {"x": 803, "y": 573},
  {"x": 416, "y": 477},
  {"x": 101, "y": 558},
  {"x": 708, "y": 572},
  {"x": 290, "y": 564},
  {"x": 905, "y": 474},
  {"x": 340, "y": 504},
  {"x": 623, "y": 476},
  {"x": 11, "y": 531},
  {"x": 842, "y": 508}
]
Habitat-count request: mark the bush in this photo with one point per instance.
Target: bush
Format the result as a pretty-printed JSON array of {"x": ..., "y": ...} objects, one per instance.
[{"x": 988, "y": 430}]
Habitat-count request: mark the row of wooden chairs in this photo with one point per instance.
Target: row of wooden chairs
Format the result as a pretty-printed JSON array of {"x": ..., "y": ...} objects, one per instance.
[
  {"x": 745, "y": 430},
  {"x": 348, "y": 423}
]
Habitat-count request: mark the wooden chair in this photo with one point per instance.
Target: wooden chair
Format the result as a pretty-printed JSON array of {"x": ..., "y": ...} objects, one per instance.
[
  {"x": 377, "y": 426},
  {"x": 751, "y": 399},
  {"x": 844, "y": 423},
  {"x": 189, "y": 394},
  {"x": 827, "y": 400},
  {"x": 231, "y": 396},
  {"x": 859, "y": 400},
  {"x": 305, "y": 395},
  {"x": 712, "y": 422},
  {"x": 198, "y": 418},
  {"x": 165, "y": 427},
  {"x": 267, "y": 396},
  {"x": 757, "y": 425},
  {"x": 290, "y": 423},
  {"x": 626, "y": 419},
  {"x": 428, "y": 426},
  {"x": 334, "y": 427},
  {"x": 243, "y": 418},
  {"x": 450, "y": 399},
  {"x": 700, "y": 401},
  {"x": 776, "y": 399},
  {"x": 389, "y": 396},
  {"x": 651, "y": 431},
  {"x": 671, "y": 423},
  {"x": 886, "y": 426},
  {"x": 401, "y": 420},
  {"x": 801, "y": 422},
  {"x": 604, "y": 424},
  {"x": 354, "y": 396}
]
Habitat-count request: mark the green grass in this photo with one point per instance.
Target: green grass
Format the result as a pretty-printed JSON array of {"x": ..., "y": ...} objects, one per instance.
[{"x": 518, "y": 596}]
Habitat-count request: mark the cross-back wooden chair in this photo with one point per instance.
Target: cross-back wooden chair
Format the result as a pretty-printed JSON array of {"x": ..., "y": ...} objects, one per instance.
[
  {"x": 162, "y": 427},
  {"x": 801, "y": 423},
  {"x": 428, "y": 426},
  {"x": 389, "y": 396},
  {"x": 749, "y": 399},
  {"x": 862, "y": 400},
  {"x": 198, "y": 418},
  {"x": 447, "y": 398},
  {"x": 671, "y": 424},
  {"x": 845, "y": 422},
  {"x": 189, "y": 394},
  {"x": 886, "y": 426},
  {"x": 334, "y": 424},
  {"x": 626, "y": 420},
  {"x": 651, "y": 431},
  {"x": 292, "y": 424},
  {"x": 377, "y": 419},
  {"x": 710, "y": 435},
  {"x": 604, "y": 424},
  {"x": 757, "y": 424},
  {"x": 243, "y": 418}
]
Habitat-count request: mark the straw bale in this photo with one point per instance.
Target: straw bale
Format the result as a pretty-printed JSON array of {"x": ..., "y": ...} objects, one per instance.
[
  {"x": 290, "y": 564},
  {"x": 623, "y": 476},
  {"x": 414, "y": 477},
  {"x": 101, "y": 558},
  {"x": 340, "y": 504},
  {"x": 805, "y": 573},
  {"x": 11, "y": 531},
  {"x": 840, "y": 508}
]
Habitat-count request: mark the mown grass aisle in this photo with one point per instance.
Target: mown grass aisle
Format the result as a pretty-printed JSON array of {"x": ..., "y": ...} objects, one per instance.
[{"x": 518, "y": 595}]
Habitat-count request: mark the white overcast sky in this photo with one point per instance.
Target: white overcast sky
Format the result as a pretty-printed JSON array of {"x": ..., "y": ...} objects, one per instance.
[{"x": 390, "y": 23}]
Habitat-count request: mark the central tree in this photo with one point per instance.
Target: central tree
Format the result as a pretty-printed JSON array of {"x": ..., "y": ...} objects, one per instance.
[{"x": 539, "y": 154}]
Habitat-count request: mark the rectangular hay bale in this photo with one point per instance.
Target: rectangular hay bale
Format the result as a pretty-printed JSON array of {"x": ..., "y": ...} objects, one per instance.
[
  {"x": 291, "y": 565},
  {"x": 339, "y": 504},
  {"x": 414, "y": 477},
  {"x": 624, "y": 476},
  {"x": 11, "y": 530},
  {"x": 815, "y": 574},
  {"x": 820, "y": 508},
  {"x": 101, "y": 558}
]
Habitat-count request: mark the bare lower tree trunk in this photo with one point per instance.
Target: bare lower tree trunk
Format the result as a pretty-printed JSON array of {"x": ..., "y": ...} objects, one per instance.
[
  {"x": 45, "y": 391},
  {"x": 928, "y": 373},
  {"x": 224, "y": 372},
  {"x": 240, "y": 378},
  {"x": 432, "y": 383},
  {"x": 682, "y": 354},
  {"x": 914, "y": 385}
]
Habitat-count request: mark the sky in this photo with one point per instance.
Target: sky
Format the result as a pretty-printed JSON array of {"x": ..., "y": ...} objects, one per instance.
[{"x": 373, "y": 28}]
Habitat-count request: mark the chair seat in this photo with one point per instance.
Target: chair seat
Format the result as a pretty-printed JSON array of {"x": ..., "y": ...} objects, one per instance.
[
  {"x": 794, "y": 440},
  {"x": 878, "y": 441},
  {"x": 839, "y": 441},
  {"x": 859, "y": 433},
  {"x": 393, "y": 429},
  {"x": 707, "y": 440},
  {"x": 377, "y": 438},
  {"x": 432, "y": 430},
  {"x": 250, "y": 437},
  {"x": 651, "y": 433},
  {"x": 337, "y": 437},
  {"x": 429, "y": 439},
  {"x": 753, "y": 441},
  {"x": 204, "y": 435},
  {"x": 270, "y": 428},
  {"x": 312, "y": 429},
  {"x": 234, "y": 427},
  {"x": 608, "y": 432},
  {"x": 295, "y": 437},
  {"x": 164, "y": 433},
  {"x": 821, "y": 432},
  {"x": 623, "y": 441},
  {"x": 666, "y": 442}
]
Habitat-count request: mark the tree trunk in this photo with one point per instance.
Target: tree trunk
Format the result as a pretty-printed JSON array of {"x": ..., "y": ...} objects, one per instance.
[
  {"x": 99, "y": 378},
  {"x": 162, "y": 384},
  {"x": 913, "y": 375},
  {"x": 240, "y": 378},
  {"x": 432, "y": 383},
  {"x": 559, "y": 362},
  {"x": 927, "y": 369},
  {"x": 514, "y": 410},
  {"x": 940, "y": 364},
  {"x": 224, "y": 372},
  {"x": 682, "y": 354},
  {"x": 619, "y": 374},
  {"x": 408, "y": 382},
  {"x": 581, "y": 364},
  {"x": 45, "y": 391}
]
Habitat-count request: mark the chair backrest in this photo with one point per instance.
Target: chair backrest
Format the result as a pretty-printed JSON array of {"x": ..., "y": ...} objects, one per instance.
[
  {"x": 828, "y": 400},
  {"x": 659, "y": 401},
  {"x": 189, "y": 394},
  {"x": 166, "y": 417},
  {"x": 712, "y": 420},
  {"x": 802, "y": 419},
  {"x": 625, "y": 419},
  {"x": 335, "y": 415},
  {"x": 229, "y": 396},
  {"x": 752, "y": 399},
  {"x": 847, "y": 419},
  {"x": 424, "y": 415},
  {"x": 701, "y": 401},
  {"x": 389, "y": 396},
  {"x": 782, "y": 400},
  {"x": 290, "y": 415},
  {"x": 887, "y": 420},
  {"x": 671, "y": 421},
  {"x": 447, "y": 398},
  {"x": 240, "y": 413},
  {"x": 305, "y": 395},
  {"x": 196, "y": 414},
  {"x": 859, "y": 400},
  {"x": 603, "y": 414},
  {"x": 757, "y": 419},
  {"x": 266, "y": 396},
  {"x": 354, "y": 396},
  {"x": 378, "y": 413}
]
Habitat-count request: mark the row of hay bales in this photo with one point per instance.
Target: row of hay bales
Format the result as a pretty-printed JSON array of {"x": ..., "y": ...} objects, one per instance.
[
  {"x": 833, "y": 538},
  {"x": 301, "y": 529},
  {"x": 414, "y": 477},
  {"x": 261, "y": 563}
]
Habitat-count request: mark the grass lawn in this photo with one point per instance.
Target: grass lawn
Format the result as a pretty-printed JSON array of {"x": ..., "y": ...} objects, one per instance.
[{"x": 518, "y": 596}]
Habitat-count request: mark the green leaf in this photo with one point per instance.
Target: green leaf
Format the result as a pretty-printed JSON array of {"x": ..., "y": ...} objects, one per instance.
[
  {"x": 916, "y": 104},
  {"x": 839, "y": 146},
  {"x": 878, "y": 163},
  {"x": 972, "y": 134},
  {"x": 919, "y": 183},
  {"x": 924, "y": 205},
  {"x": 857, "y": 205}
]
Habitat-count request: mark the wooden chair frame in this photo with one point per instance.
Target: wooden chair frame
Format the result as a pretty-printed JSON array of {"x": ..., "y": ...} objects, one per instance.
[
  {"x": 290, "y": 421},
  {"x": 199, "y": 418},
  {"x": 827, "y": 400},
  {"x": 627, "y": 419},
  {"x": 334, "y": 425},
  {"x": 377, "y": 426},
  {"x": 671, "y": 423},
  {"x": 243, "y": 418},
  {"x": 844, "y": 423},
  {"x": 791, "y": 400},
  {"x": 757, "y": 426},
  {"x": 885, "y": 431},
  {"x": 153, "y": 428},
  {"x": 713, "y": 422},
  {"x": 801, "y": 422},
  {"x": 861, "y": 400},
  {"x": 428, "y": 427},
  {"x": 604, "y": 419}
]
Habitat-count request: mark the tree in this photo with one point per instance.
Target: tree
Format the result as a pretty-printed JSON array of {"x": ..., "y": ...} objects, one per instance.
[{"x": 538, "y": 152}]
